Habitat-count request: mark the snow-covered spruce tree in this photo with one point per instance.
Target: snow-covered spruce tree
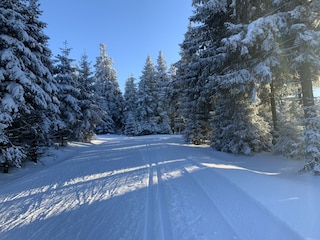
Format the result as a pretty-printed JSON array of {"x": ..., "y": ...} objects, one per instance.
[
  {"x": 109, "y": 96},
  {"x": 69, "y": 93},
  {"x": 179, "y": 85},
  {"x": 304, "y": 30},
  {"x": 299, "y": 54},
  {"x": 176, "y": 121},
  {"x": 130, "y": 107},
  {"x": 231, "y": 134},
  {"x": 163, "y": 81},
  {"x": 130, "y": 124},
  {"x": 91, "y": 114},
  {"x": 273, "y": 37},
  {"x": 197, "y": 128},
  {"x": 200, "y": 59},
  {"x": 287, "y": 113},
  {"x": 312, "y": 139},
  {"x": 285, "y": 74},
  {"x": 252, "y": 51},
  {"x": 289, "y": 141},
  {"x": 184, "y": 81},
  {"x": 29, "y": 107},
  {"x": 148, "y": 116}
]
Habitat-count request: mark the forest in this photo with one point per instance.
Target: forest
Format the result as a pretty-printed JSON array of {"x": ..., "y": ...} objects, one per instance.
[{"x": 243, "y": 84}]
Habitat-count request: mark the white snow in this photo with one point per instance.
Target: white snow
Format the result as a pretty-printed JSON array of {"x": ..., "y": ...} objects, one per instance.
[{"x": 158, "y": 187}]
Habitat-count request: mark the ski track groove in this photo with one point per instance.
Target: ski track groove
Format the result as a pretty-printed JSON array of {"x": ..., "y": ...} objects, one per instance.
[
  {"x": 149, "y": 219},
  {"x": 157, "y": 223},
  {"x": 163, "y": 207},
  {"x": 200, "y": 206}
]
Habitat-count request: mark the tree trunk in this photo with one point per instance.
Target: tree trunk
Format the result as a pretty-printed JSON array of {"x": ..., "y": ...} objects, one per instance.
[
  {"x": 273, "y": 107},
  {"x": 306, "y": 88}
]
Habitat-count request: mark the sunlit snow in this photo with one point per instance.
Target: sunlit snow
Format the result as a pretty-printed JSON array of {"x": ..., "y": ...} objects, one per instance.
[{"x": 157, "y": 187}]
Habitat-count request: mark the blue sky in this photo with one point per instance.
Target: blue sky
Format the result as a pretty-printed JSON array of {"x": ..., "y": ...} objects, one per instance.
[{"x": 131, "y": 30}]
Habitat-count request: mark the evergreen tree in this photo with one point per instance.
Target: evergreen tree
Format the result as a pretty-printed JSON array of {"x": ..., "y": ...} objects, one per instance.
[
  {"x": 282, "y": 37},
  {"x": 238, "y": 127},
  {"x": 312, "y": 138},
  {"x": 130, "y": 124},
  {"x": 29, "y": 108},
  {"x": 248, "y": 48},
  {"x": 147, "y": 99},
  {"x": 163, "y": 81},
  {"x": 196, "y": 65},
  {"x": 242, "y": 57},
  {"x": 110, "y": 99},
  {"x": 176, "y": 122},
  {"x": 90, "y": 111},
  {"x": 289, "y": 141},
  {"x": 183, "y": 82},
  {"x": 302, "y": 18},
  {"x": 69, "y": 93},
  {"x": 130, "y": 110}
]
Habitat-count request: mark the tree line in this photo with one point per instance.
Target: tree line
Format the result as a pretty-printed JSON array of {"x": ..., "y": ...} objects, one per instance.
[
  {"x": 243, "y": 83},
  {"x": 47, "y": 99}
]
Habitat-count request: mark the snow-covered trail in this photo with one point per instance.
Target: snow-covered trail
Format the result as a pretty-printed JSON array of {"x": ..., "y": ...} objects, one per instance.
[
  {"x": 192, "y": 201},
  {"x": 152, "y": 187}
]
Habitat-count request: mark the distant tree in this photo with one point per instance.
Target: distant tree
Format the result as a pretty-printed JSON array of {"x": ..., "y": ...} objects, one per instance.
[
  {"x": 130, "y": 109},
  {"x": 29, "y": 107},
  {"x": 69, "y": 93},
  {"x": 109, "y": 96},
  {"x": 176, "y": 122},
  {"x": 163, "y": 84},
  {"x": 147, "y": 99},
  {"x": 131, "y": 126}
]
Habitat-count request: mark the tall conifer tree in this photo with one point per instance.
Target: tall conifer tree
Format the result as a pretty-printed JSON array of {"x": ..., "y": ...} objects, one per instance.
[
  {"x": 109, "y": 95},
  {"x": 194, "y": 68},
  {"x": 237, "y": 125},
  {"x": 147, "y": 99},
  {"x": 69, "y": 94},
  {"x": 28, "y": 90},
  {"x": 130, "y": 109},
  {"x": 163, "y": 84},
  {"x": 91, "y": 114}
]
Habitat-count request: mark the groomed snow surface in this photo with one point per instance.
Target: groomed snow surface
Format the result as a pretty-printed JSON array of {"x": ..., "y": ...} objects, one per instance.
[{"x": 158, "y": 187}]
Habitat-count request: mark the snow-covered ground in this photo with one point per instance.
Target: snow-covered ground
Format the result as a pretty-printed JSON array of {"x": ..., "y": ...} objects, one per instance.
[{"x": 158, "y": 187}]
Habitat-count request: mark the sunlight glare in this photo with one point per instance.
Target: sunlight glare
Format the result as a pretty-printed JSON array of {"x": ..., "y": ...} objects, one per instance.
[{"x": 233, "y": 167}]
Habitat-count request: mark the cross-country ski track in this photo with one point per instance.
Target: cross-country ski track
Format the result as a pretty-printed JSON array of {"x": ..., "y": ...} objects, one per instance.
[{"x": 157, "y": 187}]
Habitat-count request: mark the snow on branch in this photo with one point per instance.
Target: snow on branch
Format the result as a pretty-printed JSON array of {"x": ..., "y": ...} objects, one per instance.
[{"x": 234, "y": 80}]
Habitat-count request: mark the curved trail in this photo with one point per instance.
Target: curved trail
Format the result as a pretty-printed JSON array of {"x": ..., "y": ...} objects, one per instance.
[{"x": 134, "y": 188}]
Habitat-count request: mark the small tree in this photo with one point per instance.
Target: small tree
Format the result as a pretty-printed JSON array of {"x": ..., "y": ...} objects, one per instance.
[
  {"x": 130, "y": 109},
  {"x": 312, "y": 139},
  {"x": 289, "y": 140}
]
